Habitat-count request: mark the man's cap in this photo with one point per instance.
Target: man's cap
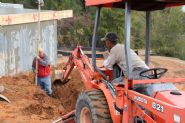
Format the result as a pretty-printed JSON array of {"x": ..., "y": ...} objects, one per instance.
[{"x": 111, "y": 36}]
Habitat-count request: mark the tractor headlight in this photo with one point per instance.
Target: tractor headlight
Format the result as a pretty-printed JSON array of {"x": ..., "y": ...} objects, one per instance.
[{"x": 177, "y": 118}]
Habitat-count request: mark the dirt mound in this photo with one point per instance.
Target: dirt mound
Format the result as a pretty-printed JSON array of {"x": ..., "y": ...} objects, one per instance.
[
  {"x": 33, "y": 109},
  {"x": 39, "y": 109},
  {"x": 39, "y": 96},
  {"x": 69, "y": 92},
  {"x": 31, "y": 104}
]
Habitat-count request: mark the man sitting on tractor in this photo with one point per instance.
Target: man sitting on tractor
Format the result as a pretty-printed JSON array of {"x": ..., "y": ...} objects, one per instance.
[{"x": 115, "y": 58}]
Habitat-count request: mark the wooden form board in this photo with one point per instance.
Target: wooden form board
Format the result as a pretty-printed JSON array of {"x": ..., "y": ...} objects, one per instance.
[{"x": 12, "y": 19}]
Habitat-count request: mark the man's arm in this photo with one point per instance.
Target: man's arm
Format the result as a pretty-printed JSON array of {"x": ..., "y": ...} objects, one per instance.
[
  {"x": 44, "y": 62},
  {"x": 106, "y": 54},
  {"x": 110, "y": 61}
]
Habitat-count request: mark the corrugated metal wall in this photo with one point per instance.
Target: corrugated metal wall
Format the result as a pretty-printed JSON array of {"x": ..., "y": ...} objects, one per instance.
[{"x": 18, "y": 45}]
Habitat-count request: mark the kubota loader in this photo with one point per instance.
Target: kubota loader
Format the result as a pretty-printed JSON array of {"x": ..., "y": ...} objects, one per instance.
[{"x": 107, "y": 102}]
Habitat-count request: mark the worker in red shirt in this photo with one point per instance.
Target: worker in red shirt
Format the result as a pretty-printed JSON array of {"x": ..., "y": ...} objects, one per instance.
[{"x": 44, "y": 79}]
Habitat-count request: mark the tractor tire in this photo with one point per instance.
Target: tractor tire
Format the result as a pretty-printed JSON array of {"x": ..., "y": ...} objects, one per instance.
[{"x": 92, "y": 107}]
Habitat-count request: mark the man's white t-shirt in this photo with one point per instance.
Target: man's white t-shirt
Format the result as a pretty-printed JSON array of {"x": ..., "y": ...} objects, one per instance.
[{"x": 117, "y": 56}]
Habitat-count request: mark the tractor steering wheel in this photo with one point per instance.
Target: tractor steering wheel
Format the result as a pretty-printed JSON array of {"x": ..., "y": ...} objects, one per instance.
[{"x": 153, "y": 73}]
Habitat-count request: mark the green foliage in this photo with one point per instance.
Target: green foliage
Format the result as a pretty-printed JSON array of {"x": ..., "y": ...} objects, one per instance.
[
  {"x": 168, "y": 28},
  {"x": 112, "y": 21},
  {"x": 168, "y": 33}
]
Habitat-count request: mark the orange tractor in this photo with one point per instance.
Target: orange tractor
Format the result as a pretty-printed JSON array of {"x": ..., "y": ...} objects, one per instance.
[{"x": 122, "y": 102}]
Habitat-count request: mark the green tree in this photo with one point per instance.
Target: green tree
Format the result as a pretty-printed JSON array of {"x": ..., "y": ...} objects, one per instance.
[{"x": 168, "y": 29}]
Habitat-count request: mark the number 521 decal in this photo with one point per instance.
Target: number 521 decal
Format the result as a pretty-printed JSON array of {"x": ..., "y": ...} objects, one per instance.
[{"x": 157, "y": 107}]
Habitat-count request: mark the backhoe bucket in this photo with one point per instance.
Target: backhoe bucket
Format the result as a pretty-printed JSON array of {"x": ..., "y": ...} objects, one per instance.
[{"x": 57, "y": 77}]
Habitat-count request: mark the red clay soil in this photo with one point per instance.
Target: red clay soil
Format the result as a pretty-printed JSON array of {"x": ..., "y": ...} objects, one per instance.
[
  {"x": 29, "y": 104},
  {"x": 68, "y": 93}
]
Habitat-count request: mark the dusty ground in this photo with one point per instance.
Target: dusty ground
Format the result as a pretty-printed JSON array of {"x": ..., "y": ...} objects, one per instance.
[
  {"x": 29, "y": 104},
  {"x": 176, "y": 67}
]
